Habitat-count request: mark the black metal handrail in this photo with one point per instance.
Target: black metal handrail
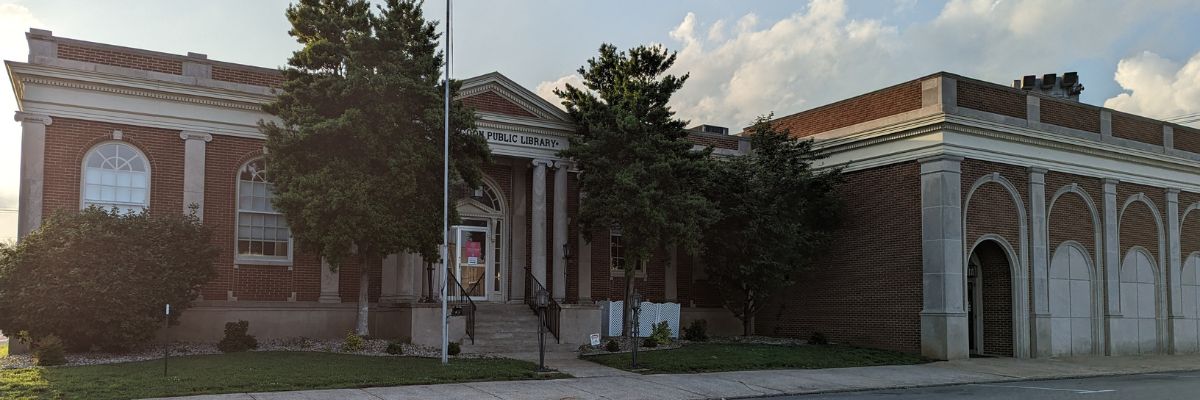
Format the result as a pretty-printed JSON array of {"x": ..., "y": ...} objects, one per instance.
[
  {"x": 553, "y": 309},
  {"x": 461, "y": 303}
]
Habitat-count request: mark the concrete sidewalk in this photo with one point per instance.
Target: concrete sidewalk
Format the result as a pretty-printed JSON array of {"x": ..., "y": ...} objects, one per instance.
[{"x": 716, "y": 385}]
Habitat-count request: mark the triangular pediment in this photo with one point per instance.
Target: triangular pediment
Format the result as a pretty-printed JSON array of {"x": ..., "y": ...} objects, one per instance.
[
  {"x": 495, "y": 93},
  {"x": 473, "y": 207}
]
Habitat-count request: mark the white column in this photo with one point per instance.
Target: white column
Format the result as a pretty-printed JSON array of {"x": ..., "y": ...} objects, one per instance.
[
  {"x": 1040, "y": 260},
  {"x": 33, "y": 166},
  {"x": 409, "y": 268},
  {"x": 560, "y": 230},
  {"x": 399, "y": 278},
  {"x": 193, "y": 170},
  {"x": 1112, "y": 262},
  {"x": 585, "y": 269},
  {"x": 329, "y": 285},
  {"x": 943, "y": 317},
  {"x": 389, "y": 285},
  {"x": 538, "y": 245},
  {"x": 520, "y": 232},
  {"x": 1174, "y": 274}
]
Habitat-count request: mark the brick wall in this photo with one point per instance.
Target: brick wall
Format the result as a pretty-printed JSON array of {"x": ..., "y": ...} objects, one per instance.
[
  {"x": 120, "y": 59},
  {"x": 247, "y": 77},
  {"x": 1137, "y": 129},
  {"x": 68, "y": 140},
  {"x": 1070, "y": 114},
  {"x": 991, "y": 99},
  {"x": 996, "y": 292},
  {"x": 694, "y": 288},
  {"x": 492, "y": 102},
  {"x": 349, "y": 274},
  {"x": 866, "y": 289},
  {"x": 1137, "y": 225},
  {"x": 1070, "y": 218},
  {"x": 878, "y": 104},
  {"x": 991, "y": 209},
  {"x": 1189, "y": 228},
  {"x": 1187, "y": 139},
  {"x": 224, "y": 157},
  {"x": 719, "y": 142}
]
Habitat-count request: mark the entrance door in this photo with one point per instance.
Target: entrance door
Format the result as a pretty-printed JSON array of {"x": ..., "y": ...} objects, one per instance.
[{"x": 473, "y": 260}]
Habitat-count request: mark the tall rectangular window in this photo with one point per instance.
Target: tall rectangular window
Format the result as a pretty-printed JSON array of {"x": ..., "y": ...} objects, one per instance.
[
  {"x": 262, "y": 232},
  {"x": 616, "y": 254}
]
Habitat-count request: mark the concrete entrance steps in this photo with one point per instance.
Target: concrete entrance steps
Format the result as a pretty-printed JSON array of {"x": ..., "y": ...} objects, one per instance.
[{"x": 509, "y": 328}]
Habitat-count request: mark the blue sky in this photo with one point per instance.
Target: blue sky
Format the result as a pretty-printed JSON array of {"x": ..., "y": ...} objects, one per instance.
[{"x": 746, "y": 57}]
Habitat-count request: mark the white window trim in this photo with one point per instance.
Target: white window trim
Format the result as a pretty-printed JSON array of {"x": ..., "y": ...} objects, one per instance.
[
  {"x": 619, "y": 272},
  {"x": 240, "y": 259},
  {"x": 83, "y": 171}
]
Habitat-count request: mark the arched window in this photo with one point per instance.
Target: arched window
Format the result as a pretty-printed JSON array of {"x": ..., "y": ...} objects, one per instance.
[
  {"x": 262, "y": 233},
  {"x": 116, "y": 175}
]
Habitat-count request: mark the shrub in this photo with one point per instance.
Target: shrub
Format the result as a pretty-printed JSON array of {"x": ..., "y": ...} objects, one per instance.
[
  {"x": 697, "y": 331},
  {"x": 50, "y": 351},
  {"x": 353, "y": 343},
  {"x": 395, "y": 348},
  {"x": 650, "y": 342},
  {"x": 236, "y": 339},
  {"x": 661, "y": 333},
  {"x": 110, "y": 275},
  {"x": 453, "y": 349},
  {"x": 818, "y": 338},
  {"x": 612, "y": 346}
]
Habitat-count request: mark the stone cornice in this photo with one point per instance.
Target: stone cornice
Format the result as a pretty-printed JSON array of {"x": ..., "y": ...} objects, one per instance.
[
  {"x": 138, "y": 92},
  {"x": 515, "y": 93},
  {"x": 506, "y": 95},
  {"x": 946, "y": 122},
  {"x": 21, "y": 116},
  {"x": 188, "y": 135},
  {"x": 23, "y": 74},
  {"x": 519, "y": 127}
]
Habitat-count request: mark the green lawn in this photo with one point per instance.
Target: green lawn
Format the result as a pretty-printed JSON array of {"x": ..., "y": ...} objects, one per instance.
[
  {"x": 711, "y": 357},
  {"x": 249, "y": 372}
]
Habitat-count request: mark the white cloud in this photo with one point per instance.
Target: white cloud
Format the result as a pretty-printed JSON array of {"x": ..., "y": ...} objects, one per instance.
[
  {"x": 1157, "y": 87},
  {"x": 820, "y": 54},
  {"x": 15, "y": 20},
  {"x": 546, "y": 89}
]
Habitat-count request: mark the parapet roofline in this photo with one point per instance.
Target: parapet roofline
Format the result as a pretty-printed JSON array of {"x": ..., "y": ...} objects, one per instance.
[
  {"x": 46, "y": 35},
  {"x": 959, "y": 77}
]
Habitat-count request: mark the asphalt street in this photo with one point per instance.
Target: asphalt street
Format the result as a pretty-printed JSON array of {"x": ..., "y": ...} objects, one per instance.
[{"x": 1176, "y": 385}]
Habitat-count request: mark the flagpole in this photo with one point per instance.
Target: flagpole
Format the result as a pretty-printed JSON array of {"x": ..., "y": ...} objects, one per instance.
[{"x": 446, "y": 195}]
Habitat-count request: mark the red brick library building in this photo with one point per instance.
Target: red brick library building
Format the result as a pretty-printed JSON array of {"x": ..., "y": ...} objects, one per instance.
[{"x": 980, "y": 218}]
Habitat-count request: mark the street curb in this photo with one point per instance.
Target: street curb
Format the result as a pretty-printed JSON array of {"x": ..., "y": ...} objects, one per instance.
[{"x": 901, "y": 387}]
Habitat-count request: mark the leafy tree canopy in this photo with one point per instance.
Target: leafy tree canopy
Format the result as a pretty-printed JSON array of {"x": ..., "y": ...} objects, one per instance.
[
  {"x": 639, "y": 172},
  {"x": 102, "y": 278},
  {"x": 357, "y": 158},
  {"x": 777, "y": 213}
]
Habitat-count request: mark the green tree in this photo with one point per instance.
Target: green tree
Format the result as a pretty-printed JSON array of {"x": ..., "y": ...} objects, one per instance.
[
  {"x": 638, "y": 169},
  {"x": 777, "y": 213},
  {"x": 101, "y": 278},
  {"x": 357, "y": 160}
]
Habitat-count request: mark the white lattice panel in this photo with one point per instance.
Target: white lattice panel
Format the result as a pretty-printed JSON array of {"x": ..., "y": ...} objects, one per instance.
[
  {"x": 670, "y": 312},
  {"x": 613, "y": 318},
  {"x": 647, "y": 318}
]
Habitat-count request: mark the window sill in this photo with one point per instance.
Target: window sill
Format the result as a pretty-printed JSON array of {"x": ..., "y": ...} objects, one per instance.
[
  {"x": 240, "y": 262},
  {"x": 618, "y": 273}
]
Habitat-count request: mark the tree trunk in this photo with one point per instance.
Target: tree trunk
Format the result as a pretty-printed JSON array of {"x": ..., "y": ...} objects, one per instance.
[
  {"x": 364, "y": 289},
  {"x": 627, "y": 312},
  {"x": 747, "y": 317}
]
